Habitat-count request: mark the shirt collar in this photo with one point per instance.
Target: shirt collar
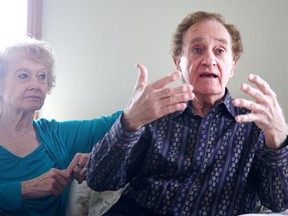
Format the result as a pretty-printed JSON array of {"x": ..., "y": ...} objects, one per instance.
[{"x": 226, "y": 102}]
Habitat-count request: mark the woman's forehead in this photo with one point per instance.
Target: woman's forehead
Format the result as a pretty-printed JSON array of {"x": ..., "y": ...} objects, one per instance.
[{"x": 20, "y": 58}]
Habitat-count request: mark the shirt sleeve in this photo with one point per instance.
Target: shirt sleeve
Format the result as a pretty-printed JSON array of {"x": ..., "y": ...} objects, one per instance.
[
  {"x": 115, "y": 159},
  {"x": 272, "y": 168},
  {"x": 10, "y": 196},
  {"x": 65, "y": 139},
  {"x": 86, "y": 134}
]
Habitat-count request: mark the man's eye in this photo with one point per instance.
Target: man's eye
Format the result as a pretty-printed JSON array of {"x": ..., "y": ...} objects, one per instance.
[
  {"x": 220, "y": 51},
  {"x": 197, "y": 50}
]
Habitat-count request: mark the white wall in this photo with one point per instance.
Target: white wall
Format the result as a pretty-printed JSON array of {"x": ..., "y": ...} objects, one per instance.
[{"x": 98, "y": 42}]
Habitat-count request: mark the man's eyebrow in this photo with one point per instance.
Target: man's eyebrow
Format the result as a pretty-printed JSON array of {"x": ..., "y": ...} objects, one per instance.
[
  {"x": 196, "y": 40},
  {"x": 222, "y": 40},
  {"x": 199, "y": 39}
]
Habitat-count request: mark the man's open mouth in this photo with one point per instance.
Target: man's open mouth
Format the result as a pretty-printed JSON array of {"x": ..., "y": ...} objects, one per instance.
[{"x": 208, "y": 75}]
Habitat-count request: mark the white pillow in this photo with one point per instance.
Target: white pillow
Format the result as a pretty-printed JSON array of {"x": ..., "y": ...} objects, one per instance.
[
  {"x": 79, "y": 198},
  {"x": 101, "y": 202}
]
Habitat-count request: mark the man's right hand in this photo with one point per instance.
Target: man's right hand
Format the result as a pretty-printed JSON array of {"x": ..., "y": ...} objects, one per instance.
[{"x": 150, "y": 102}]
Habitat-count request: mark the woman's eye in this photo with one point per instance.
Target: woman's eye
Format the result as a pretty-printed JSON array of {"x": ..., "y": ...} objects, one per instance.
[
  {"x": 23, "y": 76},
  {"x": 42, "y": 77}
]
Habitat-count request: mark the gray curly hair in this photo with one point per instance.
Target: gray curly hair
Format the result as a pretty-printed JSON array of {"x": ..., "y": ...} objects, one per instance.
[
  {"x": 191, "y": 19},
  {"x": 38, "y": 50}
]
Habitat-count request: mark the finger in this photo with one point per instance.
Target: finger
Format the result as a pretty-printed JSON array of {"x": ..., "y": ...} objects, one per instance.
[
  {"x": 261, "y": 84},
  {"x": 166, "y": 80},
  {"x": 142, "y": 77},
  {"x": 82, "y": 175},
  {"x": 167, "y": 92},
  {"x": 57, "y": 189},
  {"x": 182, "y": 98},
  {"x": 62, "y": 177},
  {"x": 253, "y": 92},
  {"x": 248, "y": 104},
  {"x": 73, "y": 163},
  {"x": 258, "y": 111},
  {"x": 79, "y": 165},
  {"x": 77, "y": 170},
  {"x": 172, "y": 108},
  {"x": 176, "y": 99},
  {"x": 78, "y": 161},
  {"x": 250, "y": 117}
]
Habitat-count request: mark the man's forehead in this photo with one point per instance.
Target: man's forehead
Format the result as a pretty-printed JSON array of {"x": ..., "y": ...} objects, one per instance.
[{"x": 207, "y": 29}]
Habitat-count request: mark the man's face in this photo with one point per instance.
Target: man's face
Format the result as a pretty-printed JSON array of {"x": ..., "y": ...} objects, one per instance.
[{"x": 207, "y": 60}]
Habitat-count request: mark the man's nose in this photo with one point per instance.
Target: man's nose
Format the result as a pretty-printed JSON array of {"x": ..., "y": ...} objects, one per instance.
[{"x": 209, "y": 59}]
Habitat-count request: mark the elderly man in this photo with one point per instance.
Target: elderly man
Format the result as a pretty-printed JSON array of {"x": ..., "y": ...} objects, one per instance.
[{"x": 192, "y": 149}]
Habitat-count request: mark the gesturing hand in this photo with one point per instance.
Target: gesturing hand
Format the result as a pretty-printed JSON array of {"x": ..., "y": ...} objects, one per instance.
[
  {"x": 265, "y": 111},
  {"x": 150, "y": 102}
]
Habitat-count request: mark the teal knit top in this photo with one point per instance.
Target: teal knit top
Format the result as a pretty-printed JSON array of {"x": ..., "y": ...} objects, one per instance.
[{"x": 60, "y": 141}]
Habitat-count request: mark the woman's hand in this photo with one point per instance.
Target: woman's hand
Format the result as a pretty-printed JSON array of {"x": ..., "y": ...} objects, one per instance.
[
  {"x": 78, "y": 166},
  {"x": 52, "y": 182},
  {"x": 265, "y": 111},
  {"x": 55, "y": 181}
]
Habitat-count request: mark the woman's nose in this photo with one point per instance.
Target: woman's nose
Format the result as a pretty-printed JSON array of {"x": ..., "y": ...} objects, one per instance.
[{"x": 35, "y": 83}]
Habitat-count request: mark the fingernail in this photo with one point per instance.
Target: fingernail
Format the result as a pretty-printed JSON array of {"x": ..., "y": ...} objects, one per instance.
[
  {"x": 235, "y": 102},
  {"x": 251, "y": 76},
  {"x": 244, "y": 86}
]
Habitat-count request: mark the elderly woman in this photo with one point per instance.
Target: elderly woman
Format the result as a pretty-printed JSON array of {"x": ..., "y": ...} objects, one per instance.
[{"x": 38, "y": 157}]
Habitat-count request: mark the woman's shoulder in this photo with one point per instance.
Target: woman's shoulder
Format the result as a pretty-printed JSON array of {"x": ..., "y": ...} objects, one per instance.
[{"x": 42, "y": 122}]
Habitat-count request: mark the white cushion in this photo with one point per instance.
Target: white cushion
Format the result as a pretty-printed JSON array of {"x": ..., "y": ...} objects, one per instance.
[
  {"x": 79, "y": 198},
  {"x": 101, "y": 202}
]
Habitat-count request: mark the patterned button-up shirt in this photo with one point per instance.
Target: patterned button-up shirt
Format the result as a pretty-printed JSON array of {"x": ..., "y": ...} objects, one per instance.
[{"x": 183, "y": 164}]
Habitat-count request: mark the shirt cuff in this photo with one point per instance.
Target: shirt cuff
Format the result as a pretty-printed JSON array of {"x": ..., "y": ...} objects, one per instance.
[{"x": 276, "y": 158}]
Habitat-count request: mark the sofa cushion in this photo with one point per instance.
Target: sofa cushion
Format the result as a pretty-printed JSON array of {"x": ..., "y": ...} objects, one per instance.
[
  {"x": 84, "y": 201},
  {"x": 79, "y": 198},
  {"x": 100, "y": 202}
]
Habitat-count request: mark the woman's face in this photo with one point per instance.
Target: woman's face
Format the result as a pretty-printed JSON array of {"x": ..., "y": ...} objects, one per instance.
[
  {"x": 25, "y": 84},
  {"x": 207, "y": 60}
]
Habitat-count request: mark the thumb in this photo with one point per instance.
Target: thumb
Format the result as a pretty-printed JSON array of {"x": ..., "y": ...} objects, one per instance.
[
  {"x": 71, "y": 166},
  {"x": 142, "y": 77}
]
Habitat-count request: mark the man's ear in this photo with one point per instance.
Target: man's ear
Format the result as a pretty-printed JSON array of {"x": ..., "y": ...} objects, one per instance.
[
  {"x": 233, "y": 67},
  {"x": 177, "y": 63}
]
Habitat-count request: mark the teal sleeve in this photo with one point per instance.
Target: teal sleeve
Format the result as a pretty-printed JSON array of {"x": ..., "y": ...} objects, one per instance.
[
  {"x": 10, "y": 196},
  {"x": 103, "y": 125},
  {"x": 66, "y": 138},
  {"x": 81, "y": 136}
]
